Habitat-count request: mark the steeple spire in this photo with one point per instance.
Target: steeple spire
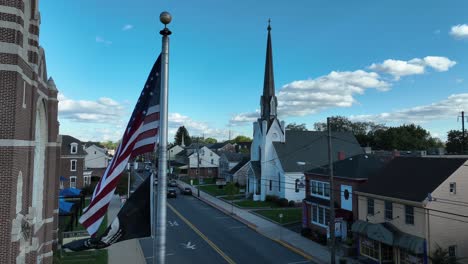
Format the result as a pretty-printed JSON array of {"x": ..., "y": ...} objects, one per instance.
[{"x": 269, "y": 101}]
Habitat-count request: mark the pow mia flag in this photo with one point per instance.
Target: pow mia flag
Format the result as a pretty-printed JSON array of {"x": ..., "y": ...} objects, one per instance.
[{"x": 132, "y": 221}]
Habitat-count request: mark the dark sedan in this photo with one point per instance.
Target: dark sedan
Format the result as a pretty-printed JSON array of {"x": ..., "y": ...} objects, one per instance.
[
  {"x": 171, "y": 193},
  {"x": 186, "y": 191}
]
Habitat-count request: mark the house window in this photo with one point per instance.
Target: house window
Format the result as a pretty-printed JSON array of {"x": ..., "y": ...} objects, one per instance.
[
  {"x": 212, "y": 161},
  {"x": 314, "y": 213},
  {"x": 369, "y": 248},
  {"x": 94, "y": 152},
  {"x": 370, "y": 206},
  {"x": 87, "y": 180},
  {"x": 279, "y": 182},
  {"x": 270, "y": 184},
  {"x": 297, "y": 185},
  {"x": 73, "y": 148},
  {"x": 320, "y": 215},
  {"x": 388, "y": 210},
  {"x": 72, "y": 165},
  {"x": 453, "y": 188},
  {"x": 72, "y": 181},
  {"x": 211, "y": 154},
  {"x": 320, "y": 189},
  {"x": 452, "y": 251},
  {"x": 409, "y": 215},
  {"x": 326, "y": 189}
]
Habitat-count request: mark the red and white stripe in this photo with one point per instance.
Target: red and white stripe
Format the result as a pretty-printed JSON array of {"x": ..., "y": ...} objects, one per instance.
[{"x": 138, "y": 139}]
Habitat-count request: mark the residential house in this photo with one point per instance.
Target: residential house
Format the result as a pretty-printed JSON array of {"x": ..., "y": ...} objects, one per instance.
[
  {"x": 29, "y": 143},
  {"x": 96, "y": 157},
  {"x": 349, "y": 174},
  {"x": 410, "y": 207},
  {"x": 173, "y": 151},
  {"x": 227, "y": 161},
  {"x": 222, "y": 147},
  {"x": 241, "y": 171},
  {"x": 199, "y": 160},
  {"x": 72, "y": 160},
  {"x": 276, "y": 154}
]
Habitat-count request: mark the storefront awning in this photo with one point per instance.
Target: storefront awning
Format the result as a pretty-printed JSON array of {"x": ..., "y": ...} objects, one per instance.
[
  {"x": 410, "y": 242},
  {"x": 390, "y": 235}
]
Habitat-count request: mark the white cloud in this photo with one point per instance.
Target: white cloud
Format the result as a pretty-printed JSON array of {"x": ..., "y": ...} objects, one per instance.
[
  {"x": 459, "y": 31},
  {"x": 102, "y": 40},
  {"x": 448, "y": 108},
  {"x": 399, "y": 68},
  {"x": 127, "y": 27},
  {"x": 337, "y": 89},
  {"x": 440, "y": 64},
  {"x": 244, "y": 118},
  {"x": 103, "y": 110}
]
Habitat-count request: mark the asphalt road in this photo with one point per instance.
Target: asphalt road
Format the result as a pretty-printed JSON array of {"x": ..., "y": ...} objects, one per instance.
[{"x": 198, "y": 233}]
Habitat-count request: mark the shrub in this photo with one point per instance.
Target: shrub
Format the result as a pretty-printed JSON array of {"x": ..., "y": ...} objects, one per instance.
[
  {"x": 292, "y": 203},
  {"x": 274, "y": 198},
  {"x": 306, "y": 232},
  {"x": 283, "y": 202},
  {"x": 269, "y": 198}
]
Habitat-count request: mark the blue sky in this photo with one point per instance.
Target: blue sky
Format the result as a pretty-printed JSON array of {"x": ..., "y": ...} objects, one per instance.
[{"x": 390, "y": 62}]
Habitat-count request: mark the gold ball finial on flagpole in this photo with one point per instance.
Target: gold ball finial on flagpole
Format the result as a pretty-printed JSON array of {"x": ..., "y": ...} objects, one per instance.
[{"x": 165, "y": 18}]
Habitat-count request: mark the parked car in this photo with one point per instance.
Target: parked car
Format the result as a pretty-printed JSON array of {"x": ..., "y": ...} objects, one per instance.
[
  {"x": 187, "y": 191},
  {"x": 171, "y": 193},
  {"x": 172, "y": 183}
]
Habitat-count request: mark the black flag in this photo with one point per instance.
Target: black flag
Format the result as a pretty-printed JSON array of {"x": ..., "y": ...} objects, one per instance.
[{"x": 132, "y": 221}]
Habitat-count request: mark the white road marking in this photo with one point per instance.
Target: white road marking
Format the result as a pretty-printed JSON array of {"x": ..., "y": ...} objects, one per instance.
[{"x": 188, "y": 245}]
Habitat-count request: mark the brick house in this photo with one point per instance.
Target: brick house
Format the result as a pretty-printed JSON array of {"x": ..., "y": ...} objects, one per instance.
[
  {"x": 410, "y": 207},
  {"x": 29, "y": 146},
  {"x": 72, "y": 161},
  {"x": 349, "y": 174}
]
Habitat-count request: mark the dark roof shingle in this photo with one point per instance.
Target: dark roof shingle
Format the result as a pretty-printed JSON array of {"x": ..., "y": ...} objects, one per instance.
[
  {"x": 311, "y": 147},
  {"x": 411, "y": 178}
]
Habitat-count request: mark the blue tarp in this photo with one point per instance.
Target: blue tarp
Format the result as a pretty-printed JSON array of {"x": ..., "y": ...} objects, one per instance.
[
  {"x": 65, "y": 207},
  {"x": 70, "y": 192}
]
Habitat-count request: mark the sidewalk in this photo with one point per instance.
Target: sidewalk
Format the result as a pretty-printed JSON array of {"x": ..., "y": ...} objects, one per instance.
[
  {"x": 288, "y": 238},
  {"x": 124, "y": 252}
]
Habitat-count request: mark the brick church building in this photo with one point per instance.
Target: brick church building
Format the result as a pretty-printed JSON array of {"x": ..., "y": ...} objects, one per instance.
[{"x": 29, "y": 147}]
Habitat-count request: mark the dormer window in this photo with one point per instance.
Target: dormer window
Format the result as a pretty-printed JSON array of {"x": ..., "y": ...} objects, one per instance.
[
  {"x": 453, "y": 188},
  {"x": 73, "y": 148}
]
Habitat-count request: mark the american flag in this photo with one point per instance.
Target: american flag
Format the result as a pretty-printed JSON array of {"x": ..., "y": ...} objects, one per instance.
[{"x": 140, "y": 137}]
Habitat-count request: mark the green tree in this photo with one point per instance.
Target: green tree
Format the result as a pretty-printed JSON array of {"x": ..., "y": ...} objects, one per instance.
[
  {"x": 296, "y": 127},
  {"x": 231, "y": 190},
  {"x": 240, "y": 139},
  {"x": 182, "y": 132},
  {"x": 210, "y": 140},
  {"x": 455, "y": 140},
  {"x": 441, "y": 256}
]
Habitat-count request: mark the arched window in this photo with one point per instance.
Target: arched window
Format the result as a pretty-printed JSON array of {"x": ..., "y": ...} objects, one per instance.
[
  {"x": 19, "y": 193},
  {"x": 39, "y": 159}
]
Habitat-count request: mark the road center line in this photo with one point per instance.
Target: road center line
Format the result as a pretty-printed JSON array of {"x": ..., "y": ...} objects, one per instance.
[{"x": 216, "y": 248}]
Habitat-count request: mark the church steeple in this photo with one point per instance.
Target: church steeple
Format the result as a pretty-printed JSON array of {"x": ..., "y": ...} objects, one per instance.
[{"x": 268, "y": 101}]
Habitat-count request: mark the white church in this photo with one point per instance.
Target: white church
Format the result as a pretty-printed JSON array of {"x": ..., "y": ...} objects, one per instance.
[{"x": 279, "y": 157}]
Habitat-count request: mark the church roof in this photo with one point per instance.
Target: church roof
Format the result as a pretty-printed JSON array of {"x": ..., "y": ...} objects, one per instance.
[{"x": 311, "y": 148}]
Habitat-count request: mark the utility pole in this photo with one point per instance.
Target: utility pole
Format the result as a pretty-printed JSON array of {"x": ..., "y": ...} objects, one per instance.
[
  {"x": 198, "y": 166},
  {"x": 463, "y": 132},
  {"x": 159, "y": 224},
  {"x": 332, "y": 200}
]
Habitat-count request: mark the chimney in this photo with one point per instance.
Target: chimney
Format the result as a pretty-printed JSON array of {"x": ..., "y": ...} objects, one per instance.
[{"x": 341, "y": 155}]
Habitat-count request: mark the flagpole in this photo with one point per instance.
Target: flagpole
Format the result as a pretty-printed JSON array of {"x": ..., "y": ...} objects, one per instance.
[{"x": 159, "y": 248}]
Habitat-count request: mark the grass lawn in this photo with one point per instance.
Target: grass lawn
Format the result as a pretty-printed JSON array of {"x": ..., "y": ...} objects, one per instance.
[
  {"x": 195, "y": 181},
  {"x": 256, "y": 204},
  {"x": 234, "y": 197},
  {"x": 289, "y": 215},
  {"x": 213, "y": 190},
  {"x": 91, "y": 256}
]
